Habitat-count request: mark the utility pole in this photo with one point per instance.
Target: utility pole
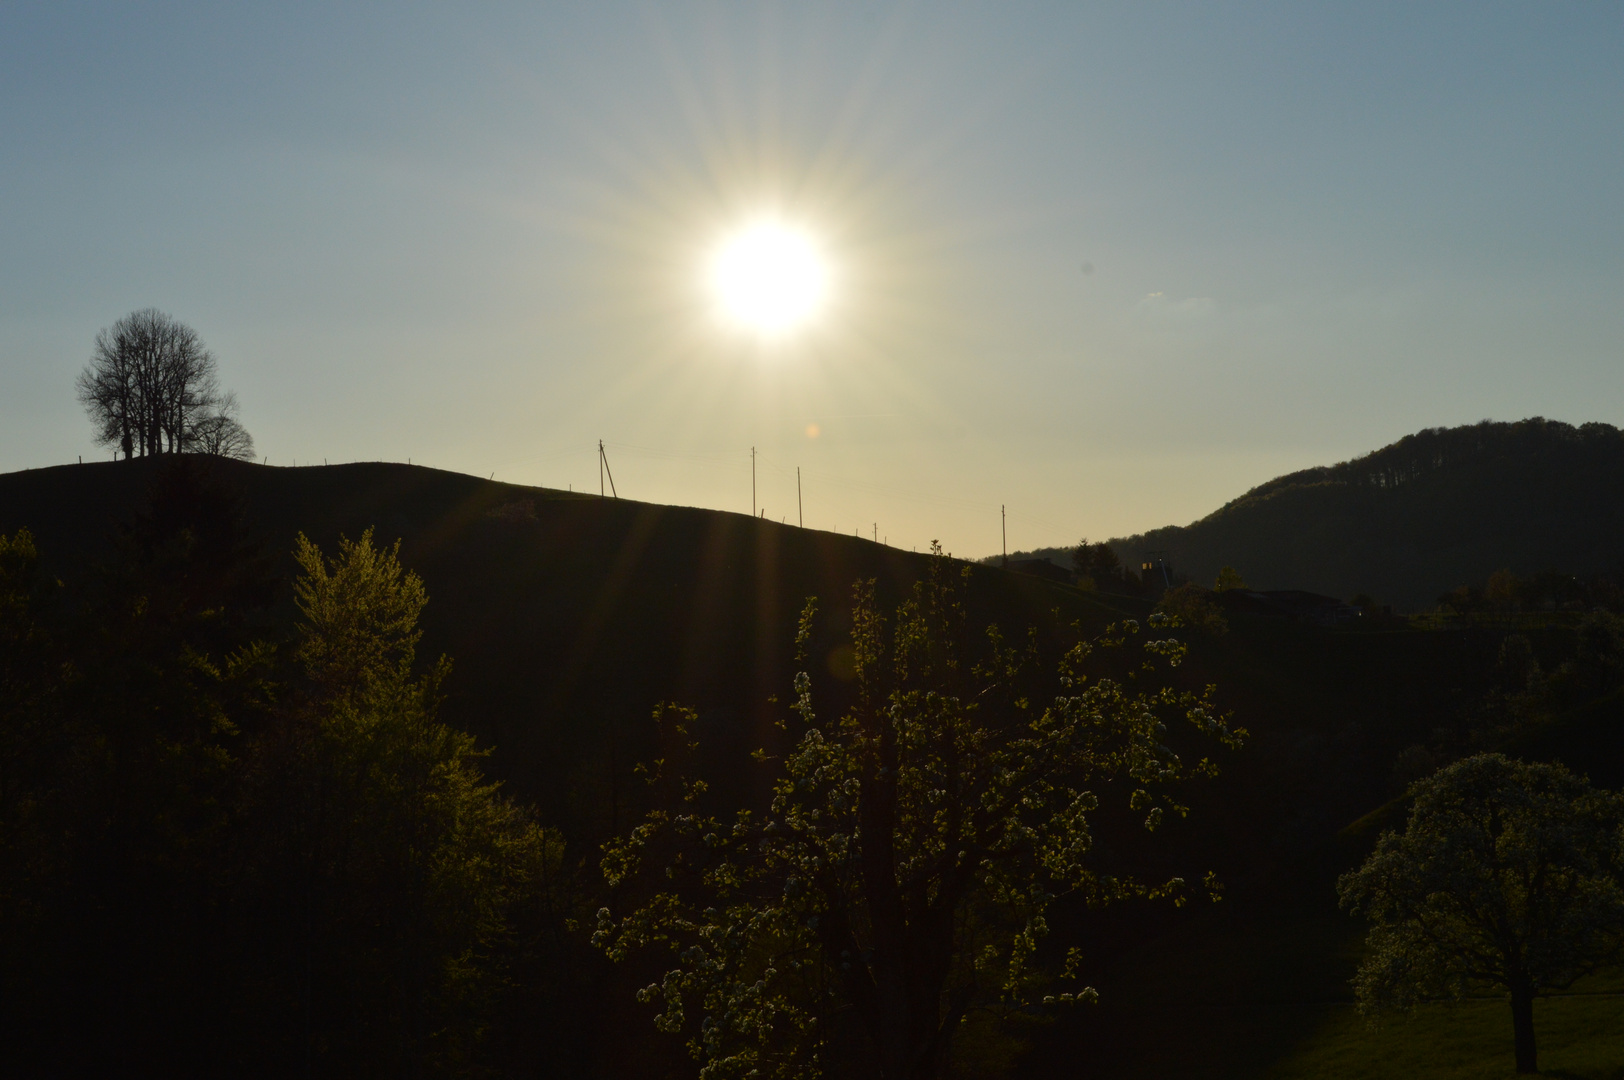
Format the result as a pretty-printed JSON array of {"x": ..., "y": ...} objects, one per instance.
[
  {"x": 1003, "y": 524},
  {"x": 752, "y": 481},
  {"x": 876, "y": 532},
  {"x": 800, "y": 514},
  {"x": 603, "y": 467}
]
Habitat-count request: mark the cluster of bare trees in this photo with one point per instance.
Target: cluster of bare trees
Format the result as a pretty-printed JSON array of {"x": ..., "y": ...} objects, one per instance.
[{"x": 151, "y": 388}]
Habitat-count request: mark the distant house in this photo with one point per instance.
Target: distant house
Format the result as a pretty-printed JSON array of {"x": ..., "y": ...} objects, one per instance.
[
  {"x": 1042, "y": 568},
  {"x": 1292, "y": 604},
  {"x": 1156, "y": 571}
]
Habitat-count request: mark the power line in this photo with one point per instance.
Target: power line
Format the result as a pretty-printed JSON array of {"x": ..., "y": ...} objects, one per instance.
[
  {"x": 765, "y": 460},
  {"x": 761, "y": 460}
]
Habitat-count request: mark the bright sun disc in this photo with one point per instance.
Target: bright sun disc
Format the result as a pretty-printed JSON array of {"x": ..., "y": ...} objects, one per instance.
[{"x": 769, "y": 278}]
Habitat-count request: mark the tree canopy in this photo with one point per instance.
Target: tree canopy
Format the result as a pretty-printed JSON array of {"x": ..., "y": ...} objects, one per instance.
[
  {"x": 152, "y": 387},
  {"x": 1508, "y": 874},
  {"x": 902, "y": 871}
]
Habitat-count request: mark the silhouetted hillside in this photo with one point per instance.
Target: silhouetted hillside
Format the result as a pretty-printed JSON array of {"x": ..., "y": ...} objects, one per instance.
[
  {"x": 568, "y": 617},
  {"x": 1441, "y": 508}
]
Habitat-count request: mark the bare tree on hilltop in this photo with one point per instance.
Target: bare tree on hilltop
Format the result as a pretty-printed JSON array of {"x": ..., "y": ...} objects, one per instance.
[
  {"x": 151, "y": 387},
  {"x": 219, "y": 433}
]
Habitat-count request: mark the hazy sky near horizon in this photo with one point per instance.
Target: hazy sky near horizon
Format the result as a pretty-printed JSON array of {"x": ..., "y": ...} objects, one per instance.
[{"x": 1110, "y": 265}]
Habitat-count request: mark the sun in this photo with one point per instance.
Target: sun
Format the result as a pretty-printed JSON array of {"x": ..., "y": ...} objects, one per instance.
[{"x": 769, "y": 277}]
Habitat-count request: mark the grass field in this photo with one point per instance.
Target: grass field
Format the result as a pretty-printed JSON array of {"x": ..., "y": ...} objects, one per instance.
[{"x": 1579, "y": 1035}]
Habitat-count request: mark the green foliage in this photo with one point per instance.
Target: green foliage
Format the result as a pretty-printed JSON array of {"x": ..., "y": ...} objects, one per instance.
[
  {"x": 19, "y": 560},
  {"x": 26, "y": 678},
  {"x": 1228, "y": 578},
  {"x": 412, "y": 863},
  {"x": 1502, "y": 589},
  {"x": 234, "y": 855},
  {"x": 1194, "y": 607},
  {"x": 1584, "y": 666},
  {"x": 1598, "y": 665},
  {"x": 1508, "y": 875},
  {"x": 903, "y": 870},
  {"x": 1556, "y": 682},
  {"x": 359, "y": 635},
  {"x": 124, "y": 745},
  {"x": 31, "y": 729},
  {"x": 1505, "y": 595}
]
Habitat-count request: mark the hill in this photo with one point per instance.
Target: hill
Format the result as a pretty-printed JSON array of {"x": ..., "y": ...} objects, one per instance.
[
  {"x": 1437, "y": 509},
  {"x": 569, "y": 616}
]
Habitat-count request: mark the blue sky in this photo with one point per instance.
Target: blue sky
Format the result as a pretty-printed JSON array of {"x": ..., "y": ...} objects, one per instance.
[{"x": 1109, "y": 265}]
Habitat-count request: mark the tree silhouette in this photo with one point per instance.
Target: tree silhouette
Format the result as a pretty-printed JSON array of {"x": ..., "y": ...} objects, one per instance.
[
  {"x": 221, "y": 434},
  {"x": 151, "y": 387},
  {"x": 1095, "y": 560}
]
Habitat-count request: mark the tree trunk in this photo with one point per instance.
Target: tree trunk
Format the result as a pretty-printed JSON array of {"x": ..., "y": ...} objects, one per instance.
[
  {"x": 1522, "y": 1024},
  {"x": 908, "y": 1037}
]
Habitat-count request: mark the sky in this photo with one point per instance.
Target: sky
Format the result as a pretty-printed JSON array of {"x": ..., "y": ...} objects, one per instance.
[{"x": 1106, "y": 266}]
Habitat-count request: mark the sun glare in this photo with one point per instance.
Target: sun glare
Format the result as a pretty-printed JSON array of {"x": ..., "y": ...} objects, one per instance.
[{"x": 769, "y": 278}]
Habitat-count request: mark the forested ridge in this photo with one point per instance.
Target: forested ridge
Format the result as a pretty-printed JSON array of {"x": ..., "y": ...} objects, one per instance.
[
  {"x": 1437, "y": 509},
  {"x": 1442, "y": 508}
]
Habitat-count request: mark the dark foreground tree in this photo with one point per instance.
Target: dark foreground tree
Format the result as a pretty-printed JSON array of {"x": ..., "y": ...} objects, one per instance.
[
  {"x": 29, "y": 692},
  {"x": 1508, "y": 875},
  {"x": 901, "y": 876},
  {"x": 386, "y": 864},
  {"x": 151, "y": 387},
  {"x": 232, "y": 846}
]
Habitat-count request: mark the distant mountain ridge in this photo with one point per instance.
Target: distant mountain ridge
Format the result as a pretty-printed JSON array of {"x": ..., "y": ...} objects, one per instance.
[{"x": 1442, "y": 507}]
